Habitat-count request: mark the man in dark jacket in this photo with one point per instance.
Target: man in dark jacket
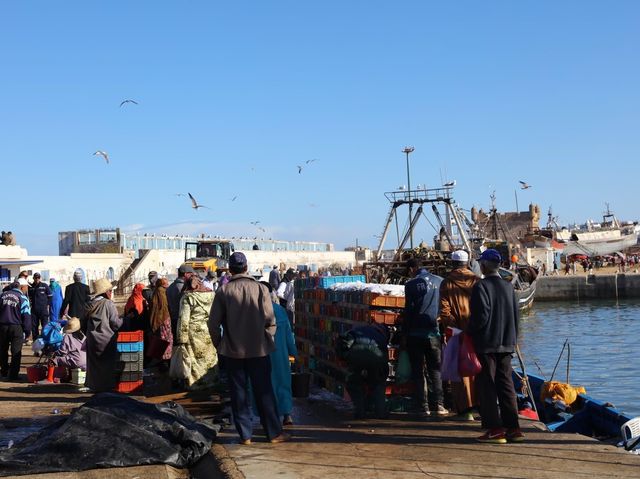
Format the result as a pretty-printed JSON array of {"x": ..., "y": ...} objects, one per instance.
[
  {"x": 366, "y": 352},
  {"x": 242, "y": 325},
  {"x": 15, "y": 325},
  {"x": 274, "y": 277},
  {"x": 77, "y": 298},
  {"x": 494, "y": 328},
  {"x": 422, "y": 336},
  {"x": 40, "y": 296},
  {"x": 174, "y": 293}
]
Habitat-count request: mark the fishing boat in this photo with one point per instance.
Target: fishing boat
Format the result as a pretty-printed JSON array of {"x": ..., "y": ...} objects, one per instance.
[
  {"x": 586, "y": 416},
  {"x": 524, "y": 284},
  {"x": 599, "y": 239},
  {"x": 455, "y": 232}
]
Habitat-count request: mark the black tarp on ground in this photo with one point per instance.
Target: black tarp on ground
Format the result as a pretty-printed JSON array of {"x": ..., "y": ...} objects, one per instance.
[{"x": 112, "y": 430}]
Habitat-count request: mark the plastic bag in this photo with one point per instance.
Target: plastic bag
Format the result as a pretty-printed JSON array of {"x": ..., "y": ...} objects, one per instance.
[
  {"x": 450, "y": 353},
  {"x": 403, "y": 370},
  {"x": 52, "y": 334},
  {"x": 180, "y": 366},
  {"x": 468, "y": 363}
]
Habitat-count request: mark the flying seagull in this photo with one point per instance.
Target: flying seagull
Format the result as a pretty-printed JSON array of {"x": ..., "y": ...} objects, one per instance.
[
  {"x": 299, "y": 169},
  {"x": 103, "y": 154},
  {"x": 180, "y": 194},
  {"x": 311, "y": 161},
  {"x": 234, "y": 198},
  {"x": 254, "y": 223},
  {"x": 262, "y": 229},
  {"x": 194, "y": 203},
  {"x": 128, "y": 101},
  {"x": 450, "y": 183},
  {"x": 524, "y": 186}
]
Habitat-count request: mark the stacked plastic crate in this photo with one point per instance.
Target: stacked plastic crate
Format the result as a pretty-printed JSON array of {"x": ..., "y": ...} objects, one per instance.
[
  {"x": 130, "y": 362},
  {"x": 322, "y": 315}
]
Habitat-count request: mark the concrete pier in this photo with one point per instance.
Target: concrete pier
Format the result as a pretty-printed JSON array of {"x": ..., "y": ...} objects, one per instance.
[{"x": 592, "y": 286}]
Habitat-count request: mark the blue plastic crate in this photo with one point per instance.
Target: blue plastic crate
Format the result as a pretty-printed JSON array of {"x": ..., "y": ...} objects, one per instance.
[{"x": 130, "y": 347}]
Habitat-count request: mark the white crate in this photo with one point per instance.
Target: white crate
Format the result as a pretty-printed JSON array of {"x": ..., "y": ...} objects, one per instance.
[{"x": 78, "y": 376}]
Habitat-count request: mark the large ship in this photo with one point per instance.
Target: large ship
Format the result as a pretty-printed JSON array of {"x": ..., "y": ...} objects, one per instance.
[{"x": 599, "y": 239}]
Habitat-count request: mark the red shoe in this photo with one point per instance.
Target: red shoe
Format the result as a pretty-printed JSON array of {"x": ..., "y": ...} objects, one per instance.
[
  {"x": 514, "y": 435},
  {"x": 493, "y": 436}
]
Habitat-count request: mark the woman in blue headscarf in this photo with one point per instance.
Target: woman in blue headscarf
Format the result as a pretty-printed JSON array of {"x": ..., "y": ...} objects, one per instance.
[{"x": 56, "y": 300}]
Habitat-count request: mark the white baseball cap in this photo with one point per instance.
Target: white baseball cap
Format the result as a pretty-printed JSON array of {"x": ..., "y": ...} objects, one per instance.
[
  {"x": 460, "y": 255},
  {"x": 22, "y": 282}
]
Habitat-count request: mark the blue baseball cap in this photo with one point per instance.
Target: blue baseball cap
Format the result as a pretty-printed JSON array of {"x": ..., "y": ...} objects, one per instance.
[
  {"x": 491, "y": 255},
  {"x": 237, "y": 260}
]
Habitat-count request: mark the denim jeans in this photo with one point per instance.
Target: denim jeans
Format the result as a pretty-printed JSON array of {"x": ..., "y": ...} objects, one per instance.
[
  {"x": 257, "y": 371},
  {"x": 425, "y": 357}
]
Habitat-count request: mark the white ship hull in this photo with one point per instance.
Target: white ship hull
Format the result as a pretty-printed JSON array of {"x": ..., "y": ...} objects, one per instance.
[{"x": 600, "y": 247}]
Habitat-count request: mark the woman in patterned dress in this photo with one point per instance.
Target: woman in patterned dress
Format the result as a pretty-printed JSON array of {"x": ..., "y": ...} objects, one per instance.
[{"x": 193, "y": 334}]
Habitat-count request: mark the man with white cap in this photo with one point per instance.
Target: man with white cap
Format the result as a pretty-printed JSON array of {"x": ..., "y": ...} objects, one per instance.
[
  {"x": 76, "y": 297},
  {"x": 455, "y": 294},
  {"x": 103, "y": 324},
  {"x": 15, "y": 325}
]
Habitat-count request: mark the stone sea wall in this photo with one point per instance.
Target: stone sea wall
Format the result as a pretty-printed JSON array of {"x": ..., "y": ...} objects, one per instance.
[{"x": 594, "y": 286}]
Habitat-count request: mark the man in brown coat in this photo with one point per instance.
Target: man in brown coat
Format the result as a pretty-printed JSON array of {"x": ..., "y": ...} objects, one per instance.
[
  {"x": 455, "y": 295},
  {"x": 242, "y": 325}
]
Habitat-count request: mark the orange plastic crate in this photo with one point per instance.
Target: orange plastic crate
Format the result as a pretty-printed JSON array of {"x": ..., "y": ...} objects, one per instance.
[
  {"x": 131, "y": 337},
  {"x": 383, "y": 317},
  {"x": 400, "y": 389},
  {"x": 376, "y": 299},
  {"x": 129, "y": 387}
]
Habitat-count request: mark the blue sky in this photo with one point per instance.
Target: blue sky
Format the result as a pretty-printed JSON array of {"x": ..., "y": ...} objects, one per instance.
[{"x": 233, "y": 95}]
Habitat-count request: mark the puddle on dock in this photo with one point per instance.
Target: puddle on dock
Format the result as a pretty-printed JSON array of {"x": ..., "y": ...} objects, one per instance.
[{"x": 14, "y": 430}]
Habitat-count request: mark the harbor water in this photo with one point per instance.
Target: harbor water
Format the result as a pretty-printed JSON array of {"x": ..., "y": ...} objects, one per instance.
[{"x": 605, "y": 347}]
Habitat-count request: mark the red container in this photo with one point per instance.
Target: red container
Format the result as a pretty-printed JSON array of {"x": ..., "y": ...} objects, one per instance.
[
  {"x": 131, "y": 337},
  {"x": 130, "y": 387},
  {"x": 36, "y": 373}
]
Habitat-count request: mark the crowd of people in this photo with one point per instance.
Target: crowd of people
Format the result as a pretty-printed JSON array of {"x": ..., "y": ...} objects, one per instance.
[
  {"x": 244, "y": 327},
  {"x": 229, "y": 321},
  {"x": 485, "y": 309}
]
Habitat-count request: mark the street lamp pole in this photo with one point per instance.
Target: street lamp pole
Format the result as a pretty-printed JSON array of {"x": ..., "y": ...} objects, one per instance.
[{"x": 407, "y": 150}]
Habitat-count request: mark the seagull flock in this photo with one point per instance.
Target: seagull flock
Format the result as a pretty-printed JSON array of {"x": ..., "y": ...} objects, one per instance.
[{"x": 194, "y": 203}]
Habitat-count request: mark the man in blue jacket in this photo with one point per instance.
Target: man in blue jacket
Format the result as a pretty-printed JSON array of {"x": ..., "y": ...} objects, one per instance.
[
  {"x": 493, "y": 325},
  {"x": 15, "y": 325},
  {"x": 40, "y": 296},
  {"x": 420, "y": 328}
]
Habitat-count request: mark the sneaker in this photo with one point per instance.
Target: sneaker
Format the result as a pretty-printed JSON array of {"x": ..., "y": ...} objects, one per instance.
[
  {"x": 493, "y": 436},
  {"x": 29, "y": 342},
  {"x": 287, "y": 420},
  {"x": 465, "y": 416},
  {"x": 514, "y": 435},
  {"x": 282, "y": 437},
  {"x": 245, "y": 442},
  {"x": 441, "y": 410}
]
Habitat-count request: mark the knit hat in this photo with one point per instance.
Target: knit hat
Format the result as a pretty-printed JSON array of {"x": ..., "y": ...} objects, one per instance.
[{"x": 460, "y": 255}]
